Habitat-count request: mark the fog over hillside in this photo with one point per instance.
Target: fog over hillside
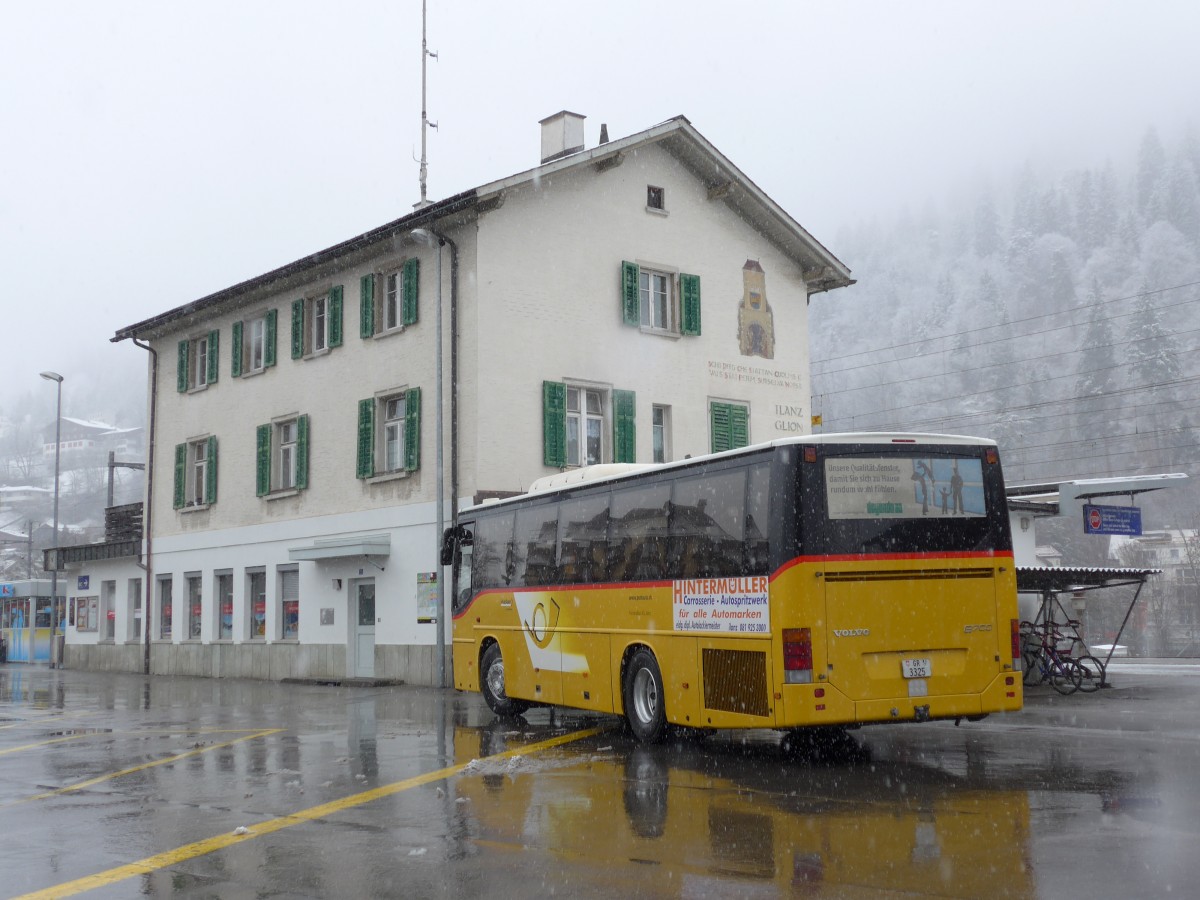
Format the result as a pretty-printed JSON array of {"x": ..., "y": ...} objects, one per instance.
[{"x": 1055, "y": 311}]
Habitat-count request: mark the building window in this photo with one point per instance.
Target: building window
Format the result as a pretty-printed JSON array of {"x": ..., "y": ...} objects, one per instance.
[
  {"x": 195, "y": 606},
  {"x": 134, "y": 629},
  {"x": 317, "y": 323},
  {"x": 576, "y": 425},
  {"x": 394, "y": 306},
  {"x": 282, "y": 456},
  {"x": 256, "y": 604},
  {"x": 224, "y": 606},
  {"x": 196, "y": 473},
  {"x": 585, "y": 427},
  {"x": 655, "y": 198},
  {"x": 108, "y": 610},
  {"x": 729, "y": 425},
  {"x": 198, "y": 361},
  {"x": 254, "y": 344},
  {"x": 289, "y": 604},
  {"x": 656, "y": 299},
  {"x": 286, "y": 439},
  {"x": 165, "y": 586},
  {"x": 389, "y": 433},
  {"x": 86, "y": 618},
  {"x": 660, "y": 427}
]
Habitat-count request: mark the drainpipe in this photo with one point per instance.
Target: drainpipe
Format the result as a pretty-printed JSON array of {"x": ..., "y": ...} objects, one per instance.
[
  {"x": 443, "y": 241},
  {"x": 148, "y": 511}
]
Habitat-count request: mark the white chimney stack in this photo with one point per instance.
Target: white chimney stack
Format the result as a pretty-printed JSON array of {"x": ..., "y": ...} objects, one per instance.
[{"x": 562, "y": 135}]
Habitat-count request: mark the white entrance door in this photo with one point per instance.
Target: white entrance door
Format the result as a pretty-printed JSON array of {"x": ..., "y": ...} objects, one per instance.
[{"x": 364, "y": 630}]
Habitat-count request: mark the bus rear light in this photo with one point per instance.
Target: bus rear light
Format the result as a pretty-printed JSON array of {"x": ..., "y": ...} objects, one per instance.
[
  {"x": 819, "y": 692},
  {"x": 797, "y": 656},
  {"x": 1015, "y": 630},
  {"x": 991, "y": 455},
  {"x": 810, "y": 454}
]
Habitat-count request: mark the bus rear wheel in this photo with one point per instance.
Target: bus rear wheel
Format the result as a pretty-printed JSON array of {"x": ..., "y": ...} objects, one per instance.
[
  {"x": 491, "y": 684},
  {"x": 644, "y": 707}
]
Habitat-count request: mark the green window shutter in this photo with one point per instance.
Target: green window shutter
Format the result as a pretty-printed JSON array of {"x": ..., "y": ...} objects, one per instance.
[
  {"x": 214, "y": 357},
  {"x": 624, "y": 427},
  {"x": 412, "y": 429},
  {"x": 366, "y": 306},
  {"x": 180, "y": 474},
  {"x": 411, "y": 282},
  {"x": 210, "y": 476},
  {"x": 739, "y": 426},
  {"x": 335, "y": 316},
  {"x": 297, "y": 329},
  {"x": 554, "y": 424},
  {"x": 301, "y": 452},
  {"x": 366, "y": 438},
  {"x": 181, "y": 376},
  {"x": 269, "y": 338},
  {"x": 262, "y": 461},
  {"x": 689, "y": 299},
  {"x": 235, "y": 351},
  {"x": 718, "y": 414},
  {"x": 630, "y": 303}
]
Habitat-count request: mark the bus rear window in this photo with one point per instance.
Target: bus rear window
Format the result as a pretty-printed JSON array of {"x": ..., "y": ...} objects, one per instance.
[
  {"x": 918, "y": 501},
  {"x": 897, "y": 487}
]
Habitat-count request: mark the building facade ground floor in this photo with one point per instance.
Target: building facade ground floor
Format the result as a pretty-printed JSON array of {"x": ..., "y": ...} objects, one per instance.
[{"x": 325, "y": 598}]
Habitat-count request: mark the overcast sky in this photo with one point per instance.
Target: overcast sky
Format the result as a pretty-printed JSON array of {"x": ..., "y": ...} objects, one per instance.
[{"x": 156, "y": 152}]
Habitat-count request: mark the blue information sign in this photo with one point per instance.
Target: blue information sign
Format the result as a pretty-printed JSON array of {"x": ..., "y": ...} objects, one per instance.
[{"x": 1112, "y": 519}]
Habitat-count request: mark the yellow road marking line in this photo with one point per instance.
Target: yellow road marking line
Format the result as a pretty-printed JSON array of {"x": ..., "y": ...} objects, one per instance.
[
  {"x": 221, "y": 841},
  {"x": 34, "y": 746},
  {"x": 80, "y": 785},
  {"x": 40, "y": 721}
]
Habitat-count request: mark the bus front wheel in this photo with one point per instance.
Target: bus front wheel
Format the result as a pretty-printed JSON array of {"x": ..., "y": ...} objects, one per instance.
[
  {"x": 644, "y": 708},
  {"x": 491, "y": 684}
]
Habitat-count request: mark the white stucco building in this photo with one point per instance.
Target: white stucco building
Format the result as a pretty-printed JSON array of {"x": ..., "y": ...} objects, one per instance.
[{"x": 639, "y": 300}]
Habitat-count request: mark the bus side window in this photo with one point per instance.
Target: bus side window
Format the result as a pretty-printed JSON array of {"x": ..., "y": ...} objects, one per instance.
[
  {"x": 637, "y": 536},
  {"x": 708, "y": 525},
  {"x": 583, "y": 540},
  {"x": 493, "y": 557},
  {"x": 758, "y": 506},
  {"x": 534, "y": 546},
  {"x": 463, "y": 552}
]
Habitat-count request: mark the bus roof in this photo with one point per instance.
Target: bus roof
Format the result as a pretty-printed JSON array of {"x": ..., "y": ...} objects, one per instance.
[{"x": 589, "y": 475}]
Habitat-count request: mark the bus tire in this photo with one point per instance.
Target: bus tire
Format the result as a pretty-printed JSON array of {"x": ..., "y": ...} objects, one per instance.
[
  {"x": 491, "y": 685},
  {"x": 644, "y": 707}
]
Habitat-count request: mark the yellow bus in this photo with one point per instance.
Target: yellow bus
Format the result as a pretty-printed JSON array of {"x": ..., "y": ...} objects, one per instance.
[{"x": 832, "y": 580}]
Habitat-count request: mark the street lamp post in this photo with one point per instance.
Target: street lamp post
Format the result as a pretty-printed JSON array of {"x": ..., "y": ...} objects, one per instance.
[{"x": 54, "y": 661}]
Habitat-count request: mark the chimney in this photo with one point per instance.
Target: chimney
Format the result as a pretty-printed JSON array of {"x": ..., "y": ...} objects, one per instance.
[
  {"x": 604, "y": 132},
  {"x": 562, "y": 135}
]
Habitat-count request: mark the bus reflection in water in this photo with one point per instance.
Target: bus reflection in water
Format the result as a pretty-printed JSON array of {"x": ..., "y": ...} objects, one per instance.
[
  {"x": 634, "y": 822},
  {"x": 825, "y": 581}
]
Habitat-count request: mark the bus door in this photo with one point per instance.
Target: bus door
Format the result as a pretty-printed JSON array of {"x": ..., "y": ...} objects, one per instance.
[{"x": 911, "y": 584}]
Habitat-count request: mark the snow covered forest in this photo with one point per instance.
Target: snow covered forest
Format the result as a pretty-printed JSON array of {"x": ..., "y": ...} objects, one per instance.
[{"x": 1056, "y": 313}]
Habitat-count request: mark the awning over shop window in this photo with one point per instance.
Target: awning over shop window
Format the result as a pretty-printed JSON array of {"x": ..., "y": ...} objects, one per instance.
[{"x": 338, "y": 548}]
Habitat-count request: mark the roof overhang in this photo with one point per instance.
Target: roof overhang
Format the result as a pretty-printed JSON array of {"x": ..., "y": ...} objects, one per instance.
[
  {"x": 1066, "y": 498},
  {"x": 1070, "y": 578},
  {"x": 342, "y": 547}
]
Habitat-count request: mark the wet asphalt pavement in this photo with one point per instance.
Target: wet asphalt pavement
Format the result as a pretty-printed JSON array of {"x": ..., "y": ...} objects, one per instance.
[{"x": 122, "y": 786}]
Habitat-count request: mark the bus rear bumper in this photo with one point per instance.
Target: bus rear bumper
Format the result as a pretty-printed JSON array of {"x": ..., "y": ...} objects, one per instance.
[{"x": 1002, "y": 695}]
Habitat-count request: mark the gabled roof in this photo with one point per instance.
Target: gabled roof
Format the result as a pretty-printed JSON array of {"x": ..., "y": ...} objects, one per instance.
[{"x": 725, "y": 182}]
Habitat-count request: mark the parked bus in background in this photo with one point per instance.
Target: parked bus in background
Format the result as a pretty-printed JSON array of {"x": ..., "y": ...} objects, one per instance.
[{"x": 831, "y": 580}]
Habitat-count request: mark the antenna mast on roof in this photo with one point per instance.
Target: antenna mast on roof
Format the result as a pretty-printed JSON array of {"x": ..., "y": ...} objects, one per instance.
[{"x": 425, "y": 123}]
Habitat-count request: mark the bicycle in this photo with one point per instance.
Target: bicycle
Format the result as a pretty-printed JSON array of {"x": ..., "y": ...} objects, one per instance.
[{"x": 1043, "y": 661}]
